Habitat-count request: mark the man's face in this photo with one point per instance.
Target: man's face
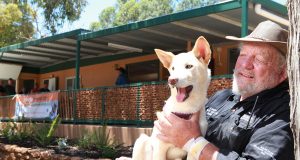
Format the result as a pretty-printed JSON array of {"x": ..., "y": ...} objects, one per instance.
[
  {"x": 10, "y": 82},
  {"x": 257, "y": 69}
]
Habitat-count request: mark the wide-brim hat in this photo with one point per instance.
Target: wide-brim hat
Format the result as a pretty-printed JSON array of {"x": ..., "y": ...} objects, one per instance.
[{"x": 267, "y": 32}]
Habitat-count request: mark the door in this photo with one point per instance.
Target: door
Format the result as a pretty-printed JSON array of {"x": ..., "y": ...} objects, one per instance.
[{"x": 28, "y": 84}]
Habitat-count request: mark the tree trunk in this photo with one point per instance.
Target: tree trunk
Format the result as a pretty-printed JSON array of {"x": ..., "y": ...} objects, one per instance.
[{"x": 293, "y": 70}]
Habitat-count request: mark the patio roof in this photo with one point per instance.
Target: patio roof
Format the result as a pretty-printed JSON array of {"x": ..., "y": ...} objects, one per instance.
[
  {"x": 170, "y": 32},
  {"x": 45, "y": 51}
]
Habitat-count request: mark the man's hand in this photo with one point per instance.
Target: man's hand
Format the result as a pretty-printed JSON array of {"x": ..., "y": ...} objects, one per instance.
[{"x": 176, "y": 130}]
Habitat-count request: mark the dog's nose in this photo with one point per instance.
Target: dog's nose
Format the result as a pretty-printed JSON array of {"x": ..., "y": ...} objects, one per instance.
[{"x": 173, "y": 81}]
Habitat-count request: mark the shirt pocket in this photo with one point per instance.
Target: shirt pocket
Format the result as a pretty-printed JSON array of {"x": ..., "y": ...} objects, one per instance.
[{"x": 240, "y": 133}]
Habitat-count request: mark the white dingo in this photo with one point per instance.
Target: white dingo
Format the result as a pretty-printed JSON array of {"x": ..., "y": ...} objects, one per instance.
[{"x": 189, "y": 80}]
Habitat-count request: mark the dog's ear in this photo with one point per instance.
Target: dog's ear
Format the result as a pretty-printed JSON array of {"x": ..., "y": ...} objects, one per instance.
[
  {"x": 164, "y": 57},
  {"x": 202, "y": 49}
]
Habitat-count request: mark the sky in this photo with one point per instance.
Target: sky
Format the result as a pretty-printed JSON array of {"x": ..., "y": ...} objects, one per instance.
[
  {"x": 90, "y": 14},
  {"x": 92, "y": 11}
]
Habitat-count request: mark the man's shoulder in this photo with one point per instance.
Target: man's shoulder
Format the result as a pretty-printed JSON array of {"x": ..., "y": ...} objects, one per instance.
[
  {"x": 221, "y": 95},
  {"x": 219, "y": 98}
]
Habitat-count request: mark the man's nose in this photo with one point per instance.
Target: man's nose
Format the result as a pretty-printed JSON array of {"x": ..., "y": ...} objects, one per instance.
[{"x": 248, "y": 63}]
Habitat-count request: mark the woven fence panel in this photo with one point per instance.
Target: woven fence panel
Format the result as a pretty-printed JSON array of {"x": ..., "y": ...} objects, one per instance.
[
  {"x": 66, "y": 104},
  {"x": 152, "y": 99},
  {"x": 89, "y": 104},
  {"x": 218, "y": 84},
  {"x": 7, "y": 107},
  {"x": 121, "y": 103}
]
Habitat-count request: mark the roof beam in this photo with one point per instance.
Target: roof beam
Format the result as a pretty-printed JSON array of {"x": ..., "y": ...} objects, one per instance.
[
  {"x": 61, "y": 46},
  {"x": 99, "y": 45},
  {"x": 84, "y": 50},
  {"x": 156, "y": 43},
  {"x": 196, "y": 28},
  {"x": 30, "y": 63},
  {"x": 45, "y": 47},
  {"x": 111, "y": 50},
  {"x": 95, "y": 46},
  {"x": 232, "y": 21},
  {"x": 61, "y": 50},
  {"x": 165, "y": 34},
  {"x": 35, "y": 52},
  {"x": 94, "y": 41},
  {"x": 28, "y": 57}
]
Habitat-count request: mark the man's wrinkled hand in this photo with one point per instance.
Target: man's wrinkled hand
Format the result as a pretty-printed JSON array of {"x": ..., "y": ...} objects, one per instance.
[{"x": 175, "y": 130}]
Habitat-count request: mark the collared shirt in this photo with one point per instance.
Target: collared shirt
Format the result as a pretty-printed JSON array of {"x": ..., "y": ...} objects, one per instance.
[{"x": 255, "y": 128}]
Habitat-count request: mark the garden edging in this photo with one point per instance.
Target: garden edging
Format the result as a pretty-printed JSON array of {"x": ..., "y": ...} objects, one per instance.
[{"x": 12, "y": 152}]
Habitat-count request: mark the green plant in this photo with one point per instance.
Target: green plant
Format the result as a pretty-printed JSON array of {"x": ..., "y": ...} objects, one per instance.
[
  {"x": 23, "y": 129},
  {"x": 43, "y": 134},
  {"x": 100, "y": 139},
  {"x": 9, "y": 131},
  {"x": 14, "y": 132},
  {"x": 85, "y": 141}
]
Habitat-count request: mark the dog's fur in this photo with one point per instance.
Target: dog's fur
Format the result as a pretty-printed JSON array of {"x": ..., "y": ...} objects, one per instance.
[{"x": 186, "y": 69}]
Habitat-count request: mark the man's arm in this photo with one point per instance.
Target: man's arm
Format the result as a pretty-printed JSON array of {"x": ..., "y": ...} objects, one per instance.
[
  {"x": 179, "y": 131},
  {"x": 272, "y": 140}
]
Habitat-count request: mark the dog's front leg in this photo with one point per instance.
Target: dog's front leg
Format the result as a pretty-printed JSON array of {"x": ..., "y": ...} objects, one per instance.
[
  {"x": 143, "y": 149},
  {"x": 160, "y": 149}
]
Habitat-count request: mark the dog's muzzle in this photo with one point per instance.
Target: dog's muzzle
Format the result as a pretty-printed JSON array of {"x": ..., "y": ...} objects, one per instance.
[{"x": 183, "y": 93}]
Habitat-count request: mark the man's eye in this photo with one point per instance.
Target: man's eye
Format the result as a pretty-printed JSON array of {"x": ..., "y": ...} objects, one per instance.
[
  {"x": 173, "y": 68},
  {"x": 260, "y": 61},
  {"x": 188, "y": 66}
]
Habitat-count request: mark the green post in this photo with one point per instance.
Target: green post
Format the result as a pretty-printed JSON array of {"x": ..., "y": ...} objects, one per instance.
[
  {"x": 77, "y": 79},
  {"x": 244, "y": 18},
  {"x": 77, "y": 69}
]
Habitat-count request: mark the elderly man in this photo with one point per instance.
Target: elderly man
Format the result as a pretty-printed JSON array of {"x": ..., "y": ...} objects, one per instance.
[{"x": 251, "y": 121}]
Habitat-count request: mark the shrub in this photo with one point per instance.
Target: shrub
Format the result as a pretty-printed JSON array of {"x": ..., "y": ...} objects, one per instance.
[
  {"x": 43, "y": 134},
  {"x": 16, "y": 132},
  {"x": 100, "y": 139}
]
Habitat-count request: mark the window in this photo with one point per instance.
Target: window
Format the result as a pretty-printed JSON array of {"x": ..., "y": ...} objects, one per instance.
[
  {"x": 52, "y": 83},
  {"x": 70, "y": 83},
  {"x": 143, "y": 71}
]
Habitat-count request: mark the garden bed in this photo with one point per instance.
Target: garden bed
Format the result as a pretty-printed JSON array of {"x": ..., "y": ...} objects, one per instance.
[
  {"x": 36, "y": 141},
  {"x": 27, "y": 149}
]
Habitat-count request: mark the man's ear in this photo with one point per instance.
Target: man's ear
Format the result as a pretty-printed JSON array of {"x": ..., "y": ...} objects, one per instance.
[
  {"x": 283, "y": 74},
  {"x": 164, "y": 57},
  {"x": 202, "y": 50}
]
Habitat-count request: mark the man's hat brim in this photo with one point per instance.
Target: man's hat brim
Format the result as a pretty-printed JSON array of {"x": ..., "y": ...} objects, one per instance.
[{"x": 281, "y": 46}]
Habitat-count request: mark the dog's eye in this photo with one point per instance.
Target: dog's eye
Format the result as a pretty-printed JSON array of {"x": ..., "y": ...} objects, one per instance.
[
  {"x": 188, "y": 66},
  {"x": 173, "y": 68}
]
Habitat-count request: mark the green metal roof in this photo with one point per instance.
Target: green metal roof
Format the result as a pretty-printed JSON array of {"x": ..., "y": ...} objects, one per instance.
[
  {"x": 169, "y": 32},
  {"x": 42, "y": 40},
  {"x": 42, "y": 52},
  {"x": 164, "y": 19}
]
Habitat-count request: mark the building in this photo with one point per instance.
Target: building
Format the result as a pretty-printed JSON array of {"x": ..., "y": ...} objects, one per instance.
[{"x": 81, "y": 59}]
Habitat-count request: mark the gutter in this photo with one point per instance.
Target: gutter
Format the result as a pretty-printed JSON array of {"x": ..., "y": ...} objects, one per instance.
[{"x": 264, "y": 13}]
